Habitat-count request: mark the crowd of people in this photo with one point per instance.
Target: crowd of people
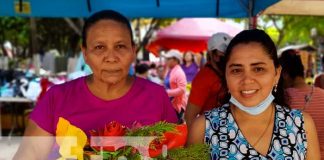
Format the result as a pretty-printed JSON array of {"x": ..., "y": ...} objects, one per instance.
[{"x": 244, "y": 103}]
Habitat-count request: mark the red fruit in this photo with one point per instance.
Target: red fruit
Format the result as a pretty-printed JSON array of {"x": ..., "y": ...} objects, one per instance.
[
  {"x": 178, "y": 138},
  {"x": 155, "y": 147}
]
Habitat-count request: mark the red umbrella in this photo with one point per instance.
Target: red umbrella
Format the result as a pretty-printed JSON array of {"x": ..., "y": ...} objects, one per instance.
[{"x": 189, "y": 34}]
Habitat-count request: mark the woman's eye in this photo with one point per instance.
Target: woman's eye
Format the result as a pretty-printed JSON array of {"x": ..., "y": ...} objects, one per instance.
[
  {"x": 259, "y": 69},
  {"x": 236, "y": 71},
  {"x": 120, "y": 46},
  {"x": 99, "y": 47}
]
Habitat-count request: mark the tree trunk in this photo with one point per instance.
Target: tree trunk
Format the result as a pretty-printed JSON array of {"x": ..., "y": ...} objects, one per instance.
[
  {"x": 33, "y": 37},
  {"x": 74, "y": 27}
]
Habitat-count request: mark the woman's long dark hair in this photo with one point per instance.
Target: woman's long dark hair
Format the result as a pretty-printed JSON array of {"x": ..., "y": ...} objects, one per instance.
[{"x": 258, "y": 36}]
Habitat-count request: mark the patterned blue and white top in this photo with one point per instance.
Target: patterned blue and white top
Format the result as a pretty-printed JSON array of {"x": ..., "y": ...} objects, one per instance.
[{"x": 227, "y": 141}]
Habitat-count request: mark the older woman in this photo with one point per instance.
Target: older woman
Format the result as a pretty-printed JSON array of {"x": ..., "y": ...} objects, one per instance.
[
  {"x": 175, "y": 82},
  {"x": 109, "y": 94},
  {"x": 255, "y": 123}
]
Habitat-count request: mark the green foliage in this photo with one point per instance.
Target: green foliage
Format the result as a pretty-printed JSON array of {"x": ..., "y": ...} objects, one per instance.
[
  {"x": 155, "y": 130},
  {"x": 50, "y": 33},
  {"x": 54, "y": 33},
  {"x": 194, "y": 152},
  {"x": 15, "y": 29},
  {"x": 292, "y": 29}
]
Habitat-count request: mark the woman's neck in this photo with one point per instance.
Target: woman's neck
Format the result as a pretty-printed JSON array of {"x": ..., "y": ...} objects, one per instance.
[
  {"x": 299, "y": 82},
  {"x": 188, "y": 63},
  {"x": 109, "y": 91}
]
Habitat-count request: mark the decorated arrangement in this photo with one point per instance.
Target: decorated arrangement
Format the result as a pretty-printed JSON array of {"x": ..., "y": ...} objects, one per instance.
[{"x": 158, "y": 141}]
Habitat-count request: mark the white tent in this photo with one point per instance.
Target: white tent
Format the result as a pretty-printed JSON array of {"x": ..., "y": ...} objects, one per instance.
[{"x": 297, "y": 7}]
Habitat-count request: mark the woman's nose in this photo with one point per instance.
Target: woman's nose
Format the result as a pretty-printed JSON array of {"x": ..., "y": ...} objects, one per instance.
[
  {"x": 247, "y": 78},
  {"x": 110, "y": 56}
]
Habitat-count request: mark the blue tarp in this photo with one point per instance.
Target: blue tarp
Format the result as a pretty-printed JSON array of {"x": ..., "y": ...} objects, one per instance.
[{"x": 135, "y": 8}]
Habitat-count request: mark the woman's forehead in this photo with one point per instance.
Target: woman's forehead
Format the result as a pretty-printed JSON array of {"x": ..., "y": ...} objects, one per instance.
[
  {"x": 108, "y": 25},
  {"x": 107, "y": 29},
  {"x": 249, "y": 53}
]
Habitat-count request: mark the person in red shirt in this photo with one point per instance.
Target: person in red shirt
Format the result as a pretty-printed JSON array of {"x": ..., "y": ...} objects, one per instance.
[{"x": 207, "y": 90}]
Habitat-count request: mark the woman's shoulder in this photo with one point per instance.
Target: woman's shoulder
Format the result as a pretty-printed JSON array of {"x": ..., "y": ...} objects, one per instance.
[
  {"x": 147, "y": 85},
  {"x": 293, "y": 113},
  {"x": 222, "y": 110},
  {"x": 75, "y": 84},
  {"x": 319, "y": 90}
]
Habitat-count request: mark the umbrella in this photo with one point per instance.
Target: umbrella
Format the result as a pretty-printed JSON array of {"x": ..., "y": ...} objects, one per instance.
[
  {"x": 135, "y": 8},
  {"x": 190, "y": 34}
]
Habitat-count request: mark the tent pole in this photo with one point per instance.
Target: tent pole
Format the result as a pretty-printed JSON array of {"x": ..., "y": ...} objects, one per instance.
[
  {"x": 89, "y": 5},
  {"x": 252, "y": 19},
  {"x": 20, "y": 6},
  {"x": 217, "y": 8},
  {"x": 158, "y": 3}
]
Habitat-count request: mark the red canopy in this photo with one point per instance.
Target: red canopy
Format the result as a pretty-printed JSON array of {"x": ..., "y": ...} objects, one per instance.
[{"x": 189, "y": 34}]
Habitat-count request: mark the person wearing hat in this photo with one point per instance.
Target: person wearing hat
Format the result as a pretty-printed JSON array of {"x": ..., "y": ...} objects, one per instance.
[
  {"x": 207, "y": 91},
  {"x": 175, "y": 82}
]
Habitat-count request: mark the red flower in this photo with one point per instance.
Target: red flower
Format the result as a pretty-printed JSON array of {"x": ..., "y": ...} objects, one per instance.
[{"x": 112, "y": 129}]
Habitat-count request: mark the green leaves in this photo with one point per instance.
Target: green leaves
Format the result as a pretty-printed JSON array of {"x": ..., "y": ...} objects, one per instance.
[
  {"x": 14, "y": 29},
  {"x": 155, "y": 130},
  {"x": 287, "y": 30},
  {"x": 194, "y": 152}
]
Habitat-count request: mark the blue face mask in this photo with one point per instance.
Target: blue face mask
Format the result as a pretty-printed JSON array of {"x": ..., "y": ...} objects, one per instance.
[{"x": 255, "y": 110}]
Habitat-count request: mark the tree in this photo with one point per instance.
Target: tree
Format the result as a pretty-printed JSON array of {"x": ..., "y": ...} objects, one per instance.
[
  {"x": 292, "y": 29},
  {"x": 151, "y": 26},
  {"x": 15, "y": 30}
]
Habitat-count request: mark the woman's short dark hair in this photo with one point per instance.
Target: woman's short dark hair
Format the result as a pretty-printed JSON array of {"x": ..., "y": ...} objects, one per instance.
[
  {"x": 105, "y": 15},
  {"x": 262, "y": 38},
  {"x": 291, "y": 64}
]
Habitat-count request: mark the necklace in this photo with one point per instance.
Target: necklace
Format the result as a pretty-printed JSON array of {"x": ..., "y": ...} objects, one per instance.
[
  {"x": 308, "y": 98},
  {"x": 264, "y": 131}
]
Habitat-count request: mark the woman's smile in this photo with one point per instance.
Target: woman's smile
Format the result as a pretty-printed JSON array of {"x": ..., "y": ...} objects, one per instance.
[{"x": 249, "y": 93}]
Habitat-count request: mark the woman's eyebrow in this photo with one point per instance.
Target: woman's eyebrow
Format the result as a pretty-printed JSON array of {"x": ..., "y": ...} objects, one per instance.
[
  {"x": 258, "y": 63},
  {"x": 235, "y": 65}
]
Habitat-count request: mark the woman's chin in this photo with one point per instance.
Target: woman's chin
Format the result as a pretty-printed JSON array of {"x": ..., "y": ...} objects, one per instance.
[{"x": 111, "y": 80}]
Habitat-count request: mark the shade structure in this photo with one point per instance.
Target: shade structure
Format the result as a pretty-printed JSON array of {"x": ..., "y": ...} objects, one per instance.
[
  {"x": 189, "y": 34},
  {"x": 135, "y": 8},
  {"x": 297, "y": 7}
]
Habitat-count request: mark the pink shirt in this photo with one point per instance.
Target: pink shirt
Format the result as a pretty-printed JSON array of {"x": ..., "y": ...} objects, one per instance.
[
  {"x": 145, "y": 103},
  {"x": 178, "y": 83}
]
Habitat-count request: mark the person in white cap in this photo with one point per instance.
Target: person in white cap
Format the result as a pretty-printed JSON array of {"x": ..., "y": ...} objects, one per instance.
[
  {"x": 175, "y": 82},
  {"x": 8, "y": 49},
  {"x": 207, "y": 91}
]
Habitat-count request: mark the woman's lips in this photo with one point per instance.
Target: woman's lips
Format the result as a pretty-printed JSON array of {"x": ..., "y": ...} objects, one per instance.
[
  {"x": 248, "y": 93},
  {"x": 112, "y": 72}
]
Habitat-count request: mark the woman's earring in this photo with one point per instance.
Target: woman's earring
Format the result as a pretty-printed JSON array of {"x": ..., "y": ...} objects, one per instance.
[{"x": 275, "y": 88}]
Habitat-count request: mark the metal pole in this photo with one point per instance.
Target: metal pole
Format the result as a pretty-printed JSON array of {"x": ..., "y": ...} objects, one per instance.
[{"x": 252, "y": 19}]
